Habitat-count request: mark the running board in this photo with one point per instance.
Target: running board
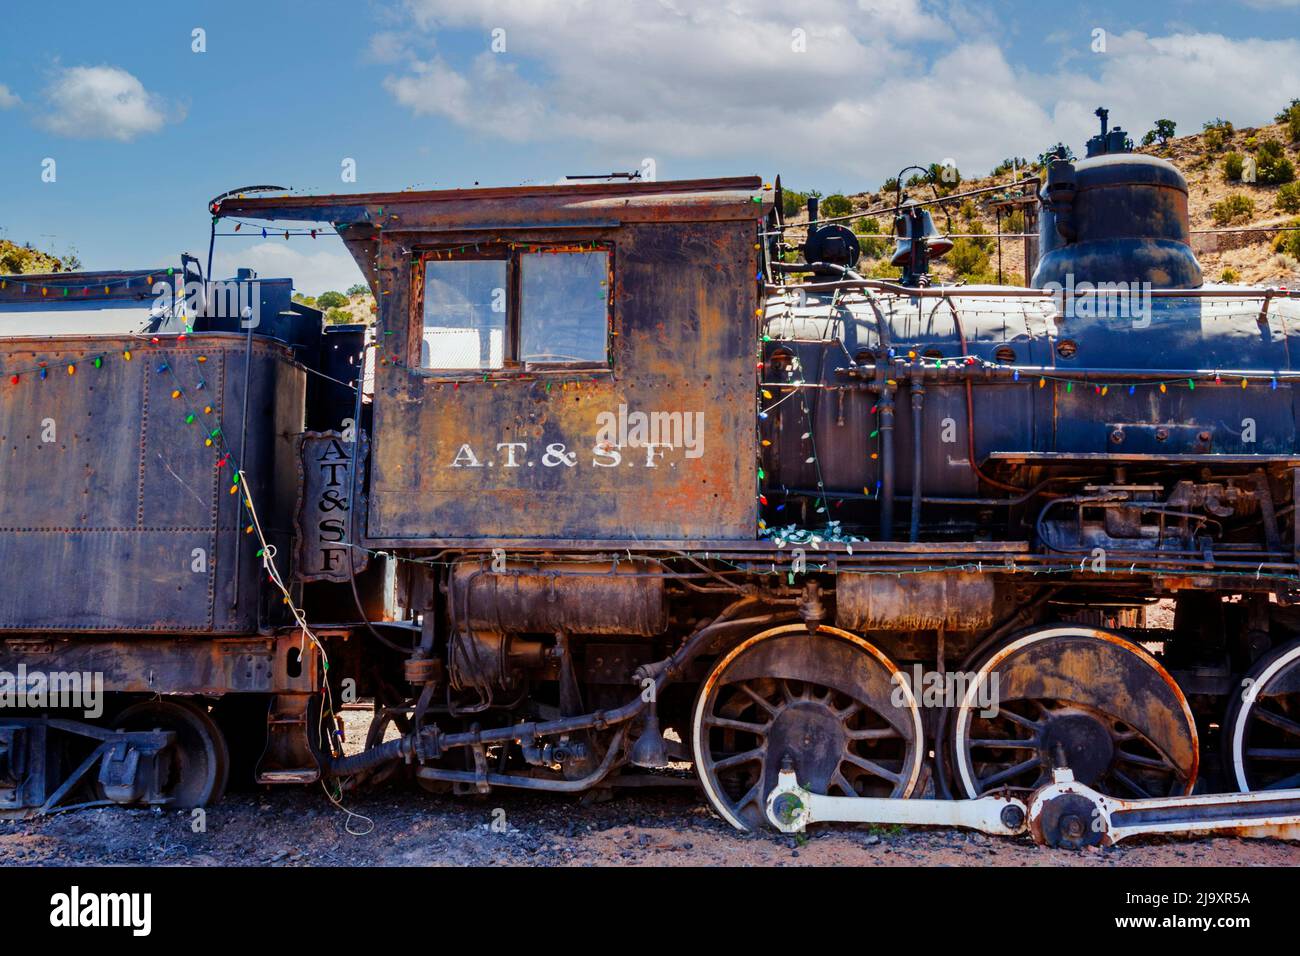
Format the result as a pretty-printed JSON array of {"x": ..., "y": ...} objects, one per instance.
[{"x": 1064, "y": 813}]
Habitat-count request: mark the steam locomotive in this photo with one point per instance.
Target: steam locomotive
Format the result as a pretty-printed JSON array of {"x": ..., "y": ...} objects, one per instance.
[{"x": 613, "y": 485}]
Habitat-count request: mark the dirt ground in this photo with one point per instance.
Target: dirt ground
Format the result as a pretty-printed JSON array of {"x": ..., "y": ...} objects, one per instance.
[
  {"x": 662, "y": 828},
  {"x": 404, "y": 826}
]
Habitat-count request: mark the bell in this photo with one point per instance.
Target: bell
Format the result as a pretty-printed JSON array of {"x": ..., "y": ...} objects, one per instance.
[{"x": 912, "y": 224}]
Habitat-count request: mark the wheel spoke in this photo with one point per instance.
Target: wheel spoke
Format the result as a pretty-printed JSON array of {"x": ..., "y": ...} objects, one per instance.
[
  {"x": 1018, "y": 720},
  {"x": 1274, "y": 753},
  {"x": 1138, "y": 760},
  {"x": 756, "y": 697},
  {"x": 759, "y": 730},
  {"x": 839, "y": 780},
  {"x": 1009, "y": 773},
  {"x": 848, "y": 711},
  {"x": 873, "y": 768},
  {"x": 1010, "y": 743},
  {"x": 1277, "y": 720},
  {"x": 736, "y": 760},
  {"x": 872, "y": 733},
  {"x": 1138, "y": 790},
  {"x": 752, "y": 795}
]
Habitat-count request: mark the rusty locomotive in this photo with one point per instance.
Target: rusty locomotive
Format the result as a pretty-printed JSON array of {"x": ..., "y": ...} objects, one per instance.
[{"x": 620, "y": 488}]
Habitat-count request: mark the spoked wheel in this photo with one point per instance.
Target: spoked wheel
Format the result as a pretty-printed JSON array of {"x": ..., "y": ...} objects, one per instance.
[
  {"x": 1077, "y": 697},
  {"x": 1263, "y": 724},
  {"x": 197, "y": 766},
  {"x": 829, "y": 701}
]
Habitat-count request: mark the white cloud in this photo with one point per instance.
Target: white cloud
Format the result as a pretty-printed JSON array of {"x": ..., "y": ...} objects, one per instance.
[
  {"x": 8, "y": 100},
  {"x": 103, "y": 102},
  {"x": 1189, "y": 78},
  {"x": 312, "y": 272},
  {"x": 882, "y": 80}
]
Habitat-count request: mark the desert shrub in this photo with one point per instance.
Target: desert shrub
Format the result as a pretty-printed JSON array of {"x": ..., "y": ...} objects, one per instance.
[
  {"x": 1230, "y": 275},
  {"x": 1232, "y": 164},
  {"x": 869, "y": 238},
  {"x": 1288, "y": 198},
  {"x": 1234, "y": 207},
  {"x": 968, "y": 258},
  {"x": 1290, "y": 118},
  {"x": 1217, "y": 134},
  {"x": 1272, "y": 165},
  {"x": 1288, "y": 243},
  {"x": 835, "y": 205}
]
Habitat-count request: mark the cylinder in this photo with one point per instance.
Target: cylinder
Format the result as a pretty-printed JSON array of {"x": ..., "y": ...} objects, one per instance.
[{"x": 577, "y": 598}]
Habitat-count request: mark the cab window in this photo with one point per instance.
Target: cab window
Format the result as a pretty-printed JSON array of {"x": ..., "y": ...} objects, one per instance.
[{"x": 525, "y": 307}]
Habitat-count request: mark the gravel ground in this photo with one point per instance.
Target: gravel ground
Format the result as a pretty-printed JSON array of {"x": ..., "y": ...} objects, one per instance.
[
  {"x": 403, "y": 825},
  {"x": 646, "y": 828}
]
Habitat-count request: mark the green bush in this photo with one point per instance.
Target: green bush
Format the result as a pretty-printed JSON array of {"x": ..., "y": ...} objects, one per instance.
[
  {"x": 1290, "y": 117},
  {"x": 1288, "y": 198},
  {"x": 1288, "y": 243},
  {"x": 1162, "y": 133},
  {"x": 359, "y": 288},
  {"x": 1232, "y": 164},
  {"x": 1217, "y": 133},
  {"x": 835, "y": 205},
  {"x": 968, "y": 258},
  {"x": 869, "y": 238},
  {"x": 1237, "y": 206},
  {"x": 1059, "y": 150},
  {"x": 331, "y": 300},
  {"x": 794, "y": 202},
  {"x": 339, "y": 317},
  {"x": 1230, "y": 275},
  {"x": 1272, "y": 165}
]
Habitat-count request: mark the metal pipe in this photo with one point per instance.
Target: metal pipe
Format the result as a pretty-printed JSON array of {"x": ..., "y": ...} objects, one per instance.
[
  {"x": 243, "y": 448},
  {"x": 918, "y": 400},
  {"x": 532, "y": 783},
  {"x": 887, "y": 467},
  {"x": 1009, "y": 292}
]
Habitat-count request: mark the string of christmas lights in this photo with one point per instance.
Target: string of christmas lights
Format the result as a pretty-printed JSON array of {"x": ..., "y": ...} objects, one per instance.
[{"x": 46, "y": 286}]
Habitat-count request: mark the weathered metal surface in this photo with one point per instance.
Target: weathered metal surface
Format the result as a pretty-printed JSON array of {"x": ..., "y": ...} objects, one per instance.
[
  {"x": 114, "y": 505},
  {"x": 152, "y": 665},
  {"x": 923, "y": 601},
  {"x": 564, "y": 204},
  {"x": 1116, "y": 218},
  {"x": 513, "y": 454},
  {"x": 1086, "y": 679},
  {"x": 626, "y": 597},
  {"x": 323, "y": 519}
]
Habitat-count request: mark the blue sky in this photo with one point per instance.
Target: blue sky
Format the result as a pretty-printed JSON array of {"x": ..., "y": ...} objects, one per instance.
[{"x": 836, "y": 94}]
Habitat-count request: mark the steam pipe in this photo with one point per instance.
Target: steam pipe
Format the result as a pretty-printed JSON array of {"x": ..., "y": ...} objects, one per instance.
[
  {"x": 918, "y": 400},
  {"x": 886, "y": 408}
]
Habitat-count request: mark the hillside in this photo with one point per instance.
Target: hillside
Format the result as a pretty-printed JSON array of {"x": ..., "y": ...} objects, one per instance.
[
  {"x": 1215, "y": 203},
  {"x": 26, "y": 260},
  {"x": 356, "y": 305}
]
